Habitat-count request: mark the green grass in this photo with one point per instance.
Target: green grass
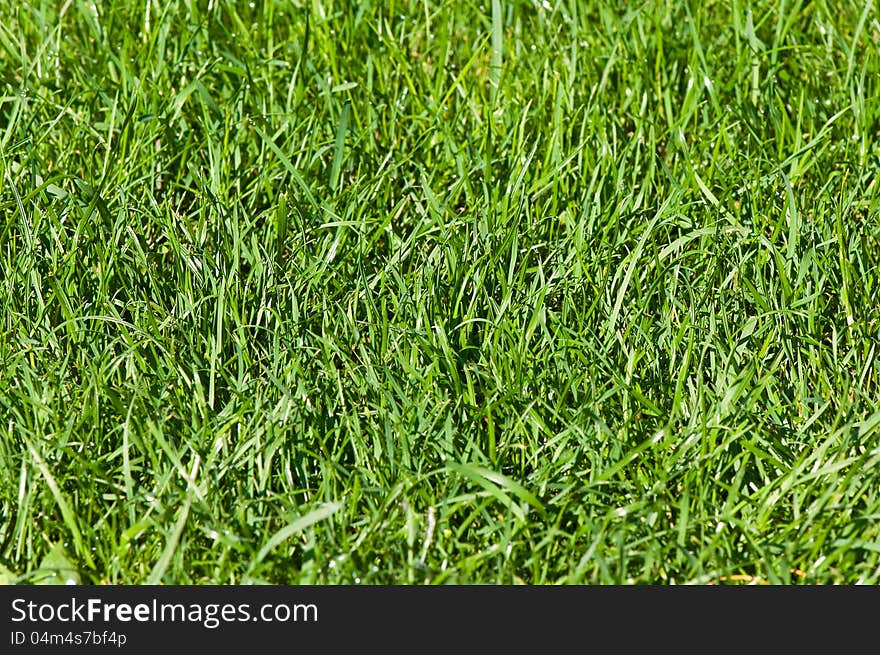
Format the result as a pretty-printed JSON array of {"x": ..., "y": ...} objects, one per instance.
[{"x": 440, "y": 292}]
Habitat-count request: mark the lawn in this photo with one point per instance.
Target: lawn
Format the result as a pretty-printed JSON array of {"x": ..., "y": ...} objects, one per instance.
[{"x": 420, "y": 291}]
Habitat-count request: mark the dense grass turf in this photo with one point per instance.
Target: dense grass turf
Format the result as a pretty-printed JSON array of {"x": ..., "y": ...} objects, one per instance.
[{"x": 446, "y": 292}]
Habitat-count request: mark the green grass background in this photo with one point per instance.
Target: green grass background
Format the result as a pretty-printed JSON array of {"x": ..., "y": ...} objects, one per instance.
[{"x": 439, "y": 292}]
